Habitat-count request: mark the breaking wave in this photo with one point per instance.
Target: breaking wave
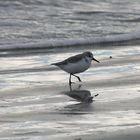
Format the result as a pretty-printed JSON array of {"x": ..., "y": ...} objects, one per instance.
[{"x": 64, "y": 43}]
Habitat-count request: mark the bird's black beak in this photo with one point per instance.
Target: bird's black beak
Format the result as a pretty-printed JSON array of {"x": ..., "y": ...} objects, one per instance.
[{"x": 95, "y": 60}]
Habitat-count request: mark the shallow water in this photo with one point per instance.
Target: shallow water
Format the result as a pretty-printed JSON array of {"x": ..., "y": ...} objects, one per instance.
[{"x": 36, "y": 101}]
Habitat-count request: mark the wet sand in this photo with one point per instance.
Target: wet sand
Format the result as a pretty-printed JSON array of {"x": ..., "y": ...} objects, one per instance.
[{"x": 43, "y": 106}]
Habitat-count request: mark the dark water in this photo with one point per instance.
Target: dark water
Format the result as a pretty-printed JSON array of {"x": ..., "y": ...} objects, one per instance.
[{"x": 33, "y": 21}]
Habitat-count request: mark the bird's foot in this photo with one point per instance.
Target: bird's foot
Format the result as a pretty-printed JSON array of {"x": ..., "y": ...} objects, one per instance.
[{"x": 70, "y": 83}]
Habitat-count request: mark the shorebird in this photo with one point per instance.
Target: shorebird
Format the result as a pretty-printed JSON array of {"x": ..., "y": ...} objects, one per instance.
[{"x": 76, "y": 64}]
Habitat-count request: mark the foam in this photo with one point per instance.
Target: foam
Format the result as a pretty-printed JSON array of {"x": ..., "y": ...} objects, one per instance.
[{"x": 55, "y": 43}]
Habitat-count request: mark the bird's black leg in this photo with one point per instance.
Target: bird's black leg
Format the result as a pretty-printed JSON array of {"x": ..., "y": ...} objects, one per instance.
[
  {"x": 77, "y": 77},
  {"x": 70, "y": 80}
]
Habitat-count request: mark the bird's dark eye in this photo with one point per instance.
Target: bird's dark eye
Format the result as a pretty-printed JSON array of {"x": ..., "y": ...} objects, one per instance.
[{"x": 89, "y": 55}]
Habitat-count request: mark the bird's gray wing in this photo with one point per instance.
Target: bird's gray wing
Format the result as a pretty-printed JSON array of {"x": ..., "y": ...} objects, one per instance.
[{"x": 72, "y": 59}]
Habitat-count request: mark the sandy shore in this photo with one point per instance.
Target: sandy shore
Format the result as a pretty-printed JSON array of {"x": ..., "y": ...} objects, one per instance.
[
  {"x": 55, "y": 112},
  {"x": 41, "y": 105}
]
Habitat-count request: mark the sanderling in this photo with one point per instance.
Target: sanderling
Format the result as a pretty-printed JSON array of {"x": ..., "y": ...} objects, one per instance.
[{"x": 76, "y": 64}]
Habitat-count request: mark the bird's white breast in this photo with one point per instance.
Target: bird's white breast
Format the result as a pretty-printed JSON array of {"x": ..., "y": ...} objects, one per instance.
[{"x": 77, "y": 67}]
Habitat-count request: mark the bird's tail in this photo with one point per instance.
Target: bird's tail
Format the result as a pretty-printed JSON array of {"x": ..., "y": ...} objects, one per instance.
[{"x": 54, "y": 64}]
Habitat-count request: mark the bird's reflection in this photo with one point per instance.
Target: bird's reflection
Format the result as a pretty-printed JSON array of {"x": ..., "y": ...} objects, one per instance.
[
  {"x": 83, "y": 97},
  {"x": 80, "y": 95}
]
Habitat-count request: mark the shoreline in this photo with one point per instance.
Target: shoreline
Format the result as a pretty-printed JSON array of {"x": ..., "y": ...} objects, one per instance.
[{"x": 38, "y": 103}]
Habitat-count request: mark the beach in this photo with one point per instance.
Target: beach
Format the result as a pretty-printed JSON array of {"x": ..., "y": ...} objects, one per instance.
[{"x": 36, "y": 101}]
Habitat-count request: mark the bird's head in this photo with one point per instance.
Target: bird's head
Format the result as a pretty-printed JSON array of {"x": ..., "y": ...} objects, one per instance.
[{"x": 90, "y": 56}]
